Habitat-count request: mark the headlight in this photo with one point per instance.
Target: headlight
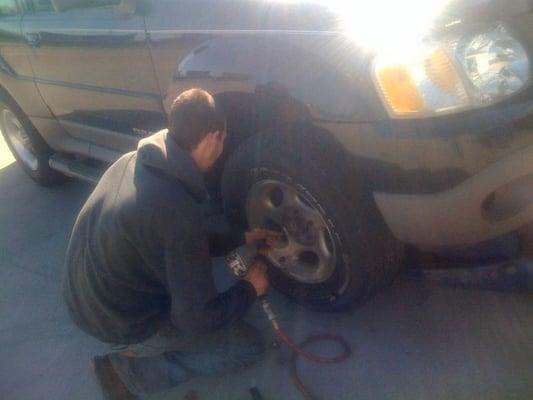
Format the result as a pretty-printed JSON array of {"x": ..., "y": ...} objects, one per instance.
[
  {"x": 424, "y": 81},
  {"x": 438, "y": 79},
  {"x": 496, "y": 65}
]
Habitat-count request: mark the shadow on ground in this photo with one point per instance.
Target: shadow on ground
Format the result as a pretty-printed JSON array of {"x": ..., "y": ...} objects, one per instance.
[{"x": 413, "y": 341}]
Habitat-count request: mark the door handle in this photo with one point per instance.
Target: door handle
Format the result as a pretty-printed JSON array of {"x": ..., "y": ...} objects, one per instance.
[{"x": 33, "y": 39}]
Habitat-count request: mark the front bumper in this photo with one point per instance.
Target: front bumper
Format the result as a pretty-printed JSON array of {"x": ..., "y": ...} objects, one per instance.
[
  {"x": 454, "y": 180},
  {"x": 493, "y": 202},
  {"x": 495, "y": 196}
]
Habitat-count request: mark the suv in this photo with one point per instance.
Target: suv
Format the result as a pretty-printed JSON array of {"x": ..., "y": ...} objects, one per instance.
[{"x": 350, "y": 147}]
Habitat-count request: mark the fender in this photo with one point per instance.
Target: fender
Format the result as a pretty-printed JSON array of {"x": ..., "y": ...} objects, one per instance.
[
  {"x": 290, "y": 69},
  {"x": 263, "y": 80}
]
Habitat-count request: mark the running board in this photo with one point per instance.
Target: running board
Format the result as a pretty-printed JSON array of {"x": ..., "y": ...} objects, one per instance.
[
  {"x": 86, "y": 169},
  {"x": 91, "y": 171}
]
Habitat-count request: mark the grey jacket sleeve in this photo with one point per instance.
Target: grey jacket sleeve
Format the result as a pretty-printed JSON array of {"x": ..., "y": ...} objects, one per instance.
[
  {"x": 221, "y": 243},
  {"x": 196, "y": 305}
]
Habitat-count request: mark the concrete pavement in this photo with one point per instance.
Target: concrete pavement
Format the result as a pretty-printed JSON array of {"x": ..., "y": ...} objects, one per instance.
[
  {"x": 414, "y": 340},
  {"x": 6, "y": 157}
]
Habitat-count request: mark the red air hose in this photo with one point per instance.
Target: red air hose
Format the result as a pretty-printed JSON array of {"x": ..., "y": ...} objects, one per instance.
[{"x": 299, "y": 350}]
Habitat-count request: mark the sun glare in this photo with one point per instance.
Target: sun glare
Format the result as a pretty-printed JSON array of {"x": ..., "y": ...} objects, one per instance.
[{"x": 382, "y": 24}]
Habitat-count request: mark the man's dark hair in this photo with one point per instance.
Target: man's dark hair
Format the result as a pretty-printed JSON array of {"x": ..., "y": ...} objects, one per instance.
[{"x": 192, "y": 116}]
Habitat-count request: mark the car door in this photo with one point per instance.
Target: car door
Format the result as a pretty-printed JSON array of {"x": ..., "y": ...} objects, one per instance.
[
  {"x": 93, "y": 68},
  {"x": 13, "y": 58}
]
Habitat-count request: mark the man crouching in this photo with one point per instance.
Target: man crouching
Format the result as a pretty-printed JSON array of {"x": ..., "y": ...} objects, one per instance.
[{"x": 138, "y": 267}]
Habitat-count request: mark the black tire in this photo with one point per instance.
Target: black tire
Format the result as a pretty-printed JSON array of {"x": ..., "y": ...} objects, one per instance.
[
  {"x": 41, "y": 172},
  {"x": 368, "y": 256}
]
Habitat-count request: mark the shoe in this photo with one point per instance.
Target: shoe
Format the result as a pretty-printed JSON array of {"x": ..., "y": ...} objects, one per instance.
[{"x": 112, "y": 386}]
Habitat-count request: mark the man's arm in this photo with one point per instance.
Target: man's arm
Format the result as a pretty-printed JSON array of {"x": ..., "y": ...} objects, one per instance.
[
  {"x": 196, "y": 305},
  {"x": 221, "y": 243}
]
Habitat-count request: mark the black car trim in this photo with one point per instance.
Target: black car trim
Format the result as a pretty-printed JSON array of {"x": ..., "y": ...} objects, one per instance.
[
  {"x": 244, "y": 31},
  {"x": 80, "y": 86},
  {"x": 200, "y": 30},
  {"x": 97, "y": 30}
]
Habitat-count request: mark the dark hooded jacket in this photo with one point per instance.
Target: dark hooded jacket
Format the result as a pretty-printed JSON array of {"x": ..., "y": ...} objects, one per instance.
[{"x": 139, "y": 253}]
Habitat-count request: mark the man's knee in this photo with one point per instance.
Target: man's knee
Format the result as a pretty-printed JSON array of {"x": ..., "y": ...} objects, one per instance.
[
  {"x": 249, "y": 341},
  {"x": 256, "y": 347}
]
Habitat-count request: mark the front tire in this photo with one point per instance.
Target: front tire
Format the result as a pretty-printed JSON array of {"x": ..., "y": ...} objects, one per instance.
[
  {"x": 26, "y": 145},
  {"x": 336, "y": 250}
]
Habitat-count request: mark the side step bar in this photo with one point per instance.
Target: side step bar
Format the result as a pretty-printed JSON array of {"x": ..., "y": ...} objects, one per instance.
[{"x": 87, "y": 170}]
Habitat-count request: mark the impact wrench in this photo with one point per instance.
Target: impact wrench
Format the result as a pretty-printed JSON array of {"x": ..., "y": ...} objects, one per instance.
[{"x": 239, "y": 261}]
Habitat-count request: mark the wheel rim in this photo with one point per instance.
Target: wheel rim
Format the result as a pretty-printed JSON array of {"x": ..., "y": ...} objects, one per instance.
[
  {"x": 20, "y": 141},
  {"x": 306, "y": 253}
]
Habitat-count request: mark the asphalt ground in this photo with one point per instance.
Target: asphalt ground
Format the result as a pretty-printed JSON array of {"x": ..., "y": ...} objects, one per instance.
[{"x": 415, "y": 340}]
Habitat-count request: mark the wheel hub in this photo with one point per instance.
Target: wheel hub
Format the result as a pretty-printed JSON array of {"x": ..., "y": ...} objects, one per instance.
[
  {"x": 300, "y": 228},
  {"x": 306, "y": 252}
]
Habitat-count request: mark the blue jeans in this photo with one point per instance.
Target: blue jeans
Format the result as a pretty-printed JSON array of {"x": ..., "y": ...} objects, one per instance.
[{"x": 168, "y": 358}]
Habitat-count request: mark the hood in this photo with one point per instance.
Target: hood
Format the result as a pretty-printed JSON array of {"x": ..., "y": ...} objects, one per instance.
[{"x": 159, "y": 152}]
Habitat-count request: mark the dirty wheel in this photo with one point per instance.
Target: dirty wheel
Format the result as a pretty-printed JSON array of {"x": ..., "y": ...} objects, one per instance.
[
  {"x": 305, "y": 252},
  {"x": 335, "y": 249},
  {"x": 27, "y": 146}
]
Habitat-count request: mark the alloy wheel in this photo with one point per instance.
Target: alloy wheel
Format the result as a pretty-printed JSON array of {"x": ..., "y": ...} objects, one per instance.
[{"x": 306, "y": 252}]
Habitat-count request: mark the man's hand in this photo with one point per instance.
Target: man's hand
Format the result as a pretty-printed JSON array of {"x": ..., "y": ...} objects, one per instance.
[
  {"x": 270, "y": 237},
  {"x": 257, "y": 276}
]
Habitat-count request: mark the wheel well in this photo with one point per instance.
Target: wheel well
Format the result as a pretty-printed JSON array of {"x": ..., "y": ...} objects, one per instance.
[
  {"x": 248, "y": 113},
  {"x": 5, "y": 96}
]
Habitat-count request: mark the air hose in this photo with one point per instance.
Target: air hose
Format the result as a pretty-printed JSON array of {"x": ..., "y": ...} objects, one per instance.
[
  {"x": 299, "y": 350},
  {"x": 239, "y": 261}
]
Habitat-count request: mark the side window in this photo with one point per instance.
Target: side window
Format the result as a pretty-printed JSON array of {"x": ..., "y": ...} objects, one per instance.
[
  {"x": 8, "y": 8},
  {"x": 65, "y": 5},
  {"x": 42, "y": 5}
]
